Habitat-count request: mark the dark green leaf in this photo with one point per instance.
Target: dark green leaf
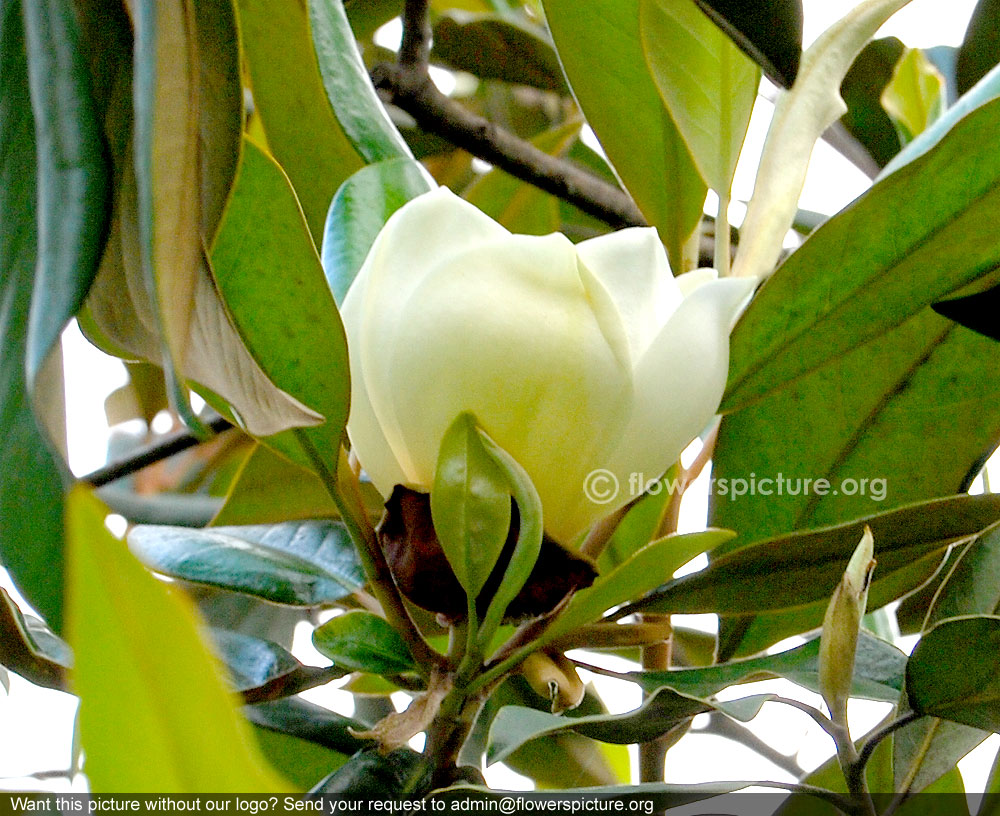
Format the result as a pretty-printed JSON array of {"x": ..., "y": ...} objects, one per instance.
[
  {"x": 74, "y": 189},
  {"x": 470, "y": 505},
  {"x": 600, "y": 48},
  {"x": 31, "y": 491},
  {"x": 878, "y": 672},
  {"x": 360, "y": 209},
  {"x": 769, "y": 31},
  {"x": 801, "y": 568},
  {"x": 491, "y": 47},
  {"x": 947, "y": 679},
  {"x": 272, "y": 284},
  {"x": 977, "y": 312},
  {"x": 873, "y": 266},
  {"x": 308, "y": 721},
  {"x": 403, "y": 774},
  {"x": 659, "y": 713},
  {"x": 980, "y": 49},
  {"x": 28, "y": 648},
  {"x": 302, "y": 129},
  {"x": 862, "y": 88},
  {"x": 298, "y": 563},
  {"x": 361, "y": 641},
  {"x": 348, "y": 89}
]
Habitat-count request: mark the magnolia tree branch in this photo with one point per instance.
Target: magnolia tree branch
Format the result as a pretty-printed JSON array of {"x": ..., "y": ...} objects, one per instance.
[{"x": 409, "y": 87}]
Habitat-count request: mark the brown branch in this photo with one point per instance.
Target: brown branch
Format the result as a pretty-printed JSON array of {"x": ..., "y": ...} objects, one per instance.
[{"x": 409, "y": 87}]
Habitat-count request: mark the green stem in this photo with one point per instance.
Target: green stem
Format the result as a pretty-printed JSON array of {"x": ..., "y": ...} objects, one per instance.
[
  {"x": 374, "y": 564},
  {"x": 721, "y": 254}
]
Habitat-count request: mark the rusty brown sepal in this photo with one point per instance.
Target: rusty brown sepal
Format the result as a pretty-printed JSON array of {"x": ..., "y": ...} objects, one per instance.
[{"x": 423, "y": 574}]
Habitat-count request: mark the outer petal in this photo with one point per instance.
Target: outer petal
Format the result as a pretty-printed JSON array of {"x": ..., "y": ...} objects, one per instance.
[
  {"x": 507, "y": 330},
  {"x": 417, "y": 238},
  {"x": 633, "y": 268},
  {"x": 680, "y": 380}
]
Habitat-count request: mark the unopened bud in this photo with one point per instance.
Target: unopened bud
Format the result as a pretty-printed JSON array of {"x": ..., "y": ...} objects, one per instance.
[
  {"x": 841, "y": 625},
  {"x": 554, "y": 677}
]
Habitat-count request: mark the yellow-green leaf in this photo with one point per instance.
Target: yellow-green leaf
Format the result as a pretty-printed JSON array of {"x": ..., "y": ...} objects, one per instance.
[
  {"x": 915, "y": 96},
  {"x": 155, "y": 715}
]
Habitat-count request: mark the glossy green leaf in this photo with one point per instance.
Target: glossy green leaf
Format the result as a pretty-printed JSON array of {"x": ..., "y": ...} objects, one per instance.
[
  {"x": 861, "y": 90},
  {"x": 400, "y": 775},
  {"x": 927, "y": 748},
  {"x": 74, "y": 185},
  {"x": 31, "y": 539},
  {"x": 801, "y": 568},
  {"x": 151, "y": 719},
  {"x": 269, "y": 489},
  {"x": 470, "y": 505},
  {"x": 348, "y": 88},
  {"x": 878, "y": 672},
  {"x": 297, "y": 563},
  {"x": 361, "y": 641},
  {"x": 600, "y": 48},
  {"x": 659, "y": 713},
  {"x": 916, "y": 94},
  {"x": 800, "y": 117},
  {"x": 867, "y": 270},
  {"x": 944, "y": 678},
  {"x": 492, "y": 47},
  {"x": 272, "y": 284},
  {"x": 301, "y": 762},
  {"x": 706, "y": 82},
  {"x": 645, "y": 570},
  {"x": 360, "y": 209},
  {"x": 289, "y": 96},
  {"x": 769, "y": 31},
  {"x": 980, "y": 49},
  {"x": 309, "y": 722}
]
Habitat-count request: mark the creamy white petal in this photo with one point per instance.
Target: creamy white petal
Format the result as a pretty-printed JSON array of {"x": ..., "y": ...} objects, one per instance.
[
  {"x": 690, "y": 281},
  {"x": 632, "y": 266},
  {"x": 681, "y": 379},
  {"x": 506, "y": 331}
]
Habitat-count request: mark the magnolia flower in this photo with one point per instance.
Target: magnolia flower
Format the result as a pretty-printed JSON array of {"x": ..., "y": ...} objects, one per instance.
[{"x": 574, "y": 359}]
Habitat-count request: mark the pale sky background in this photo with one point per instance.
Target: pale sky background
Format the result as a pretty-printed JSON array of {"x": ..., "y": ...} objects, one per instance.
[{"x": 37, "y": 725}]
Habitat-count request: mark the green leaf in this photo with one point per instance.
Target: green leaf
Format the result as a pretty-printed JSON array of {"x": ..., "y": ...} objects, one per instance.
[
  {"x": 514, "y": 725},
  {"x": 302, "y": 129},
  {"x": 31, "y": 538},
  {"x": 645, "y": 570},
  {"x": 269, "y": 489},
  {"x": 349, "y": 90},
  {"x": 74, "y": 189},
  {"x": 151, "y": 719},
  {"x": 470, "y": 505},
  {"x": 769, "y": 31},
  {"x": 309, "y": 722},
  {"x": 878, "y": 672},
  {"x": 861, "y": 91},
  {"x": 272, "y": 283},
  {"x": 706, "y": 82},
  {"x": 980, "y": 49},
  {"x": 360, "y": 209},
  {"x": 297, "y": 563},
  {"x": 361, "y": 641},
  {"x": 493, "y": 47},
  {"x": 947, "y": 679},
  {"x": 803, "y": 568},
  {"x": 915, "y": 96},
  {"x": 800, "y": 117},
  {"x": 600, "y": 47},
  {"x": 403, "y": 774},
  {"x": 29, "y": 648},
  {"x": 302, "y": 763}
]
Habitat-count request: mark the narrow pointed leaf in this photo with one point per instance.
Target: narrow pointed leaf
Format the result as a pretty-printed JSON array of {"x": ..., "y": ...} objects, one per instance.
[
  {"x": 151, "y": 719},
  {"x": 980, "y": 49},
  {"x": 915, "y": 96}
]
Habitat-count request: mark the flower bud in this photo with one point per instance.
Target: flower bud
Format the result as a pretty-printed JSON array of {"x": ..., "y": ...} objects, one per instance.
[
  {"x": 841, "y": 625},
  {"x": 554, "y": 677},
  {"x": 574, "y": 359}
]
